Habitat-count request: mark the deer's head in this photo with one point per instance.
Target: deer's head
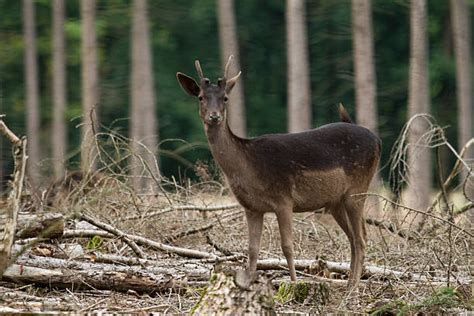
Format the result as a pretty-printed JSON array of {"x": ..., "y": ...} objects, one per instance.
[{"x": 213, "y": 98}]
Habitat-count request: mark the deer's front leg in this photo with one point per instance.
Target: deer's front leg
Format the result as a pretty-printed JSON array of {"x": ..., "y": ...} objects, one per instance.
[{"x": 254, "y": 224}]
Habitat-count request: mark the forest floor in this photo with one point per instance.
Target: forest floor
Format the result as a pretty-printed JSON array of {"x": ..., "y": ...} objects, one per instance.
[{"x": 440, "y": 251}]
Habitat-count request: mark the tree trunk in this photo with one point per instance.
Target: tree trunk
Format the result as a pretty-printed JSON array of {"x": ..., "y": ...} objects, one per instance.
[
  {"x": 364, "y": 68},
  {"x": 143, "y": 122},
  {"x": 365, "y": 80},
  {"x": 32, "y": 102},
  {"x": 299, "y": 87},
  {"x": 419, "y": 161},
  {"x": 229, "y": 46},
  {"x": 89, "y": 85},
  {"x": 461, "y": 22},
  {"x": 59, "y": 90}
]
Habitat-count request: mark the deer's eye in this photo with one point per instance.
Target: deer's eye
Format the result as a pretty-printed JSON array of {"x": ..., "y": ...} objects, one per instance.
[
  {"x": 201, "y": 98},
  {"x": 226, "y": 99}
]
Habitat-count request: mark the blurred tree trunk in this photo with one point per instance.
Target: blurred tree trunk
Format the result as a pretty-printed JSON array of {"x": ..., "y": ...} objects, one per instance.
[
  {"x": 364, "y": 68},
  {"x": 229, "y": 46},
  {"x": 419, "y": 160},
  {"x": 143, "y": 122},
  {"x": 299, "y": 87},
  {"x": 32, "y": 98},
  {"x": 365, "y": 79},
  {"x": 89, "y": 85},
  {"x": 59, "y": 91},
  {"x": 461, "y": 22}
]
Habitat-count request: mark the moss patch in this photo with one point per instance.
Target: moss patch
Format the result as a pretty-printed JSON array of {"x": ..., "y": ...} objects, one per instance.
[{"x": 302, "y": 292}]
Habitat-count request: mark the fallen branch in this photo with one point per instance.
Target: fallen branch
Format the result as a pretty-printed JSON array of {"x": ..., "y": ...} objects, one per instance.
[
  {"x": 452, "y": 175},
  {"x": 191, "y": 231},
  {"x": 343, "y": 267},
  {"x": 462, "y": 210},
  {"x": 115, "y": 231},
  {"x": 184, "y": 252},
  {"x": 391, "y": 228},
  {"x": 420, "y": 212},
  {"x": 184, "y": 208}
]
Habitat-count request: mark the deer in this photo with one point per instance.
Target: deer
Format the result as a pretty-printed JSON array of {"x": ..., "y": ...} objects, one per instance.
[{"x": 328, "y": 167}]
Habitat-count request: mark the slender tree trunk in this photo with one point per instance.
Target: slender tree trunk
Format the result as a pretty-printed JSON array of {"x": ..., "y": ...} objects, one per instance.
[
  {"x": 419, "y": 160},
  {"x": 365, "y": 79},
  {"x": 461, "y": 22},
  {"x": 143, "y": 123},
  {"x": 364, "y": 68},
  {"x": 229, "y": 46},
  {"x": 32, "y": 98},
  {"x": 59, "y": 90},
  {"x": 89, "y": 85},
  {"x": 299, "y": 87}
]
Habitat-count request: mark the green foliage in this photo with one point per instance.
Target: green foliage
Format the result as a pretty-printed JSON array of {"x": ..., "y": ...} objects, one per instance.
[
  {"x": 94, "y": 243},
  {"x": 440, "y": 300},
  {"x": 183, "y": 31},
  {"x": 292, "y": 291}
]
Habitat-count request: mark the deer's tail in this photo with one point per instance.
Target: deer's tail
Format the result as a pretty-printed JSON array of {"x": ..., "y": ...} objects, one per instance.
[{"x": 343, "y": 115}]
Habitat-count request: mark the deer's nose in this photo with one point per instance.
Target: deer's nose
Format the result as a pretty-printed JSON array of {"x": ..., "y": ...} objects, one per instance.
[{"x": 215, "y": 117}]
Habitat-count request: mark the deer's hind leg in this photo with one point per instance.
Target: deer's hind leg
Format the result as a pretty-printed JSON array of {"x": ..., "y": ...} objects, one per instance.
[
  {"x": 285, "y": 225},
  {"x": 340, "y": 215},
  {"x": 354, "y": 212}
]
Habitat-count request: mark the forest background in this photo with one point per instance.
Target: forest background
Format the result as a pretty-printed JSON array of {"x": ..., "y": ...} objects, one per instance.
[{"x": 181, "y": 31}]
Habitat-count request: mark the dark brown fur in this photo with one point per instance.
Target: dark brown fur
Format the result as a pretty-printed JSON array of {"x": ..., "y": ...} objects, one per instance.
[{"x": 286, "y": 173}]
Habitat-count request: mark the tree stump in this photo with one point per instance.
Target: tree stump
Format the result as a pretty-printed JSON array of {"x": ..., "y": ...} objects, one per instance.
[{"x": 222, "y": 296}]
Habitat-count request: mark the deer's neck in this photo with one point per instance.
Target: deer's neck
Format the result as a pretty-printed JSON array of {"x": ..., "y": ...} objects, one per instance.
[{"x": 228, "y": 149}]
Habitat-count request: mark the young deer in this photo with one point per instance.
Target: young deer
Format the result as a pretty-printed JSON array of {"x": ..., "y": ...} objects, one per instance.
[{"x": 286, "y": 173}]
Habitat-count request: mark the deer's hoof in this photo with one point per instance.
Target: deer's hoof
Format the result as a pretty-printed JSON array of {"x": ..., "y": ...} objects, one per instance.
[{"x": 244, "y": 279}]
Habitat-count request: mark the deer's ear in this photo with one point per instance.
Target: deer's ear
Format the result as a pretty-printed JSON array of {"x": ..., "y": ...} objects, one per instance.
[
  {"x": 231, "y": 83},
  {"x": 188, "y": 84}
]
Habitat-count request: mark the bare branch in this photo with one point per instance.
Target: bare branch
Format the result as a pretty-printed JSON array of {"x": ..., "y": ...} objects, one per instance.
[
  {"x": 184, "y": 208},
  {"x": 114, "y": 231}
]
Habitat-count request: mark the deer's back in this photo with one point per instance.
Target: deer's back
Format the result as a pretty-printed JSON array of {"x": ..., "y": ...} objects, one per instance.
[{"x": 330, "y": 146}]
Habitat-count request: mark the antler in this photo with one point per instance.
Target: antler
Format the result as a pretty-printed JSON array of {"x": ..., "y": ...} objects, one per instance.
[
  {"x": 227, "y": 66},
  {"x": 199, "y": 69}
]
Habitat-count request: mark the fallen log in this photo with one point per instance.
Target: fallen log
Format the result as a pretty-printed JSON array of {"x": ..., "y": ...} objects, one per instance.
[
  {"x": 344, "y": 267},
  {"x": 80, "y": 275}
]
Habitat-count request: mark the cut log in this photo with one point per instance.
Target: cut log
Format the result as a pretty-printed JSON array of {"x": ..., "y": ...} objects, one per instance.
[{"x": 45, "y": 225}]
